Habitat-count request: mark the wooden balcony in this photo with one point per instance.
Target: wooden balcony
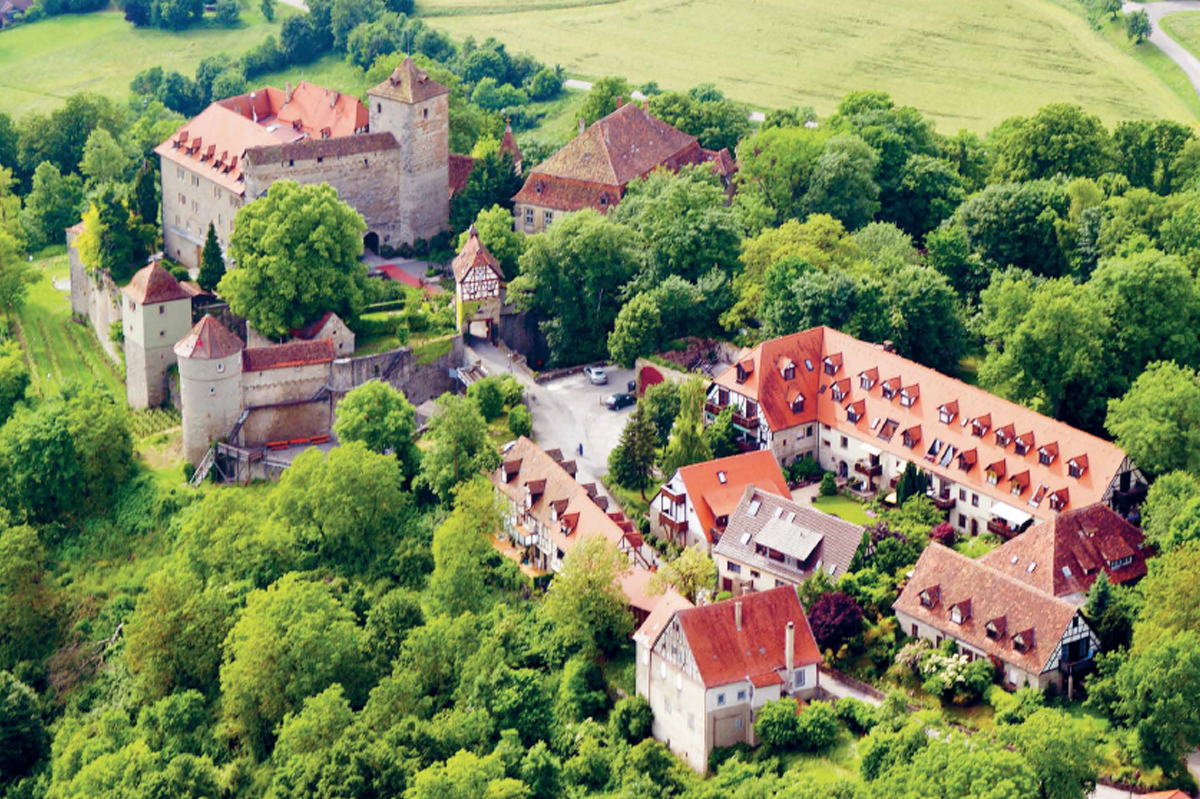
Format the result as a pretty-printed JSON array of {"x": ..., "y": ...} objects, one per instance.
[
  {"x": 868, "y": 469},
  {"x": 671, "y": 495},
  {"x": 713, "y": 408},
  {"x": 745, "y": 422},
  {"x": 1000, "y": 528},
  {"x": 942, "y": 501},
  {"x": 667, "y": 523}
]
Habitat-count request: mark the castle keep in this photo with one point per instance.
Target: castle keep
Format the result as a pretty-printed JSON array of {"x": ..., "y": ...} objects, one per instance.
[{"x": 390, "y": 163}]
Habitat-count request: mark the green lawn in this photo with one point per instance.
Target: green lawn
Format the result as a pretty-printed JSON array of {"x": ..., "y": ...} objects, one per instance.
[
  {"x": 1183, "y": 27},
  {"x": 44, "y": 62},
  {"x": 1155, "y": 60},
  {"x": 57, "y": 348},
  {"x": 965, "y": 65},
  {"x": 975, "y": 547},
  {"x": 331, "y": 71},
  {"x": 844, "y": 508}
]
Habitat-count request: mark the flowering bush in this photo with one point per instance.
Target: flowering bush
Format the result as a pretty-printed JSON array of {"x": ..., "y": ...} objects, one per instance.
[
  {"x": 944, "y": 533},
  {"x": 954, "y": 677}
]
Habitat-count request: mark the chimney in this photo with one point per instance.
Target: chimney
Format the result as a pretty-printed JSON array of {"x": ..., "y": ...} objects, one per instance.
[
  {"x": 789, "y": 645},
  {"x": 889, "y": 346},
  {"x": 620, "y": 101},
  {"x": 253, "y": 109},
  {"x": 334, "y": 98},
  {"x": 287, "y": 93},
  {"x": 581, "y": 126},
  {"x": 737, "y": 615}
]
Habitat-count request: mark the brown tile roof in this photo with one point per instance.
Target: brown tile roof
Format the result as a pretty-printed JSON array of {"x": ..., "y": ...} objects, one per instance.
[
  {"x": 850, "y": 357},
  {"x": 474, "y": 254},
  {"x": 208, "y": 340},
  {"x": 311, "y": 149},
  {"x": 460, "y": 170},
  {"x": 833, "y": 552},
  {"x": 310, "y": 331},
  {"x": 592, "y": 170},
  {"x": 535, "y": 467},
  {"x": 1015, "y": 606},
  {"x": 712, "y": 498},
  {"x": 313, "y": 111},
  {"x": 1068, "y": 552},
  {"x": 663, "y": 612},
  {"x": 724, "y": 654},
  {"x": 409, "y": 84},
  {"x": 508, "y": 144},
  {"x": 294, "y": 353},
  {"x": 153, "y": 284},
  {"x": 215, "y": 143}
]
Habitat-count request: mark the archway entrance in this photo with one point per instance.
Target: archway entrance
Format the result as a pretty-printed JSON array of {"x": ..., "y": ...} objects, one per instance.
[{"x": 371, "y": 242}]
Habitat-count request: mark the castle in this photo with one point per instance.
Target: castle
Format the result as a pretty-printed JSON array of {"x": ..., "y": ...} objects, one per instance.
[{"x": 389, "y": 161}]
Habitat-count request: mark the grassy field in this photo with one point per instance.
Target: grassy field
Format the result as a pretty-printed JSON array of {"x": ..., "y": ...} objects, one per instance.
[
  {"x": 844, "y": 508},
  {"x": 57, "y": 348},
  {"x": 43, "y": 63},
  {"x": 966, "y": 65},
  {"x": 1184, "y": 27}
]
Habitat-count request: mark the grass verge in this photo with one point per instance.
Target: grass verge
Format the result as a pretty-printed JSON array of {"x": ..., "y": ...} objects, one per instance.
[{"x": 844, "y": 508}]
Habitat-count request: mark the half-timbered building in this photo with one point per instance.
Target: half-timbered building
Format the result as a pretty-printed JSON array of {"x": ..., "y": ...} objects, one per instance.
[{"x": 478, "y": 286}]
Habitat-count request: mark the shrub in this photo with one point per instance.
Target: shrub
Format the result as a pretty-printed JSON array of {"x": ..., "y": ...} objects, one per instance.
[
  {"x": 835, "y": 618},
  {"x": 953, "y": 677},
  {"x": 630, "y": 719},
  {"x": 520, "y": 421},
  {"x": 776, "y": 724},
  {"x": 512, "y": 390},
  {"x": 829, "y": 485},
  {"x": 805, "y": 469},
  {"x": 944, "y": 533},
  {"x": 816, "y": 726},
  {"x": 857, "y": 714},
  {"x": 487, "y": 396}
]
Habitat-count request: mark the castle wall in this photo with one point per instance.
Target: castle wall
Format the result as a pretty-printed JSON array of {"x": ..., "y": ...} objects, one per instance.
[
  {"x": 368, "y": 181},
  {"x": 211, "y": 391},
  {"x": 418, "y": 382},
  {"x": 150, "y": 335},
  {"x": 293, "y": 421},
  {"x": 190, "y": 201},
  {"x": 96, "y": 298}
]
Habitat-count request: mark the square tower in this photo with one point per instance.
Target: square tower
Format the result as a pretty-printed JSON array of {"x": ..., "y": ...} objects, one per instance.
[
  {"x": 415, "y": 109},
  {"x": 157, "y": 313}
]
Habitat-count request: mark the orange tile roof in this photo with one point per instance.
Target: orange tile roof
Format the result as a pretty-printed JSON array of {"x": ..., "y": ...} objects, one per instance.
[
  {"x": 294, "y": 353},
  {"x": 986, "y": 595},
  {"x": 724, "y": 654},
  {"x": 474, "y": 254},
  {"x": 215, "y": 143},
  {"x": 153, "y": 284},
  {"x": 663, "y": 612},
  {"x": 712, "y": 498},
  {"x": 208, "y": 340},
  {"x": 409, "y": 84},
  {"x": 460, "y": 169},
  {"x": 316, "y": 111},
  {"x": 1069, "y": 551},
  {"x": 851, "y": 358}
]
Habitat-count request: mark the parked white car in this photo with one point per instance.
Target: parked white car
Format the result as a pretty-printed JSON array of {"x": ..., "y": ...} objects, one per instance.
[{"x": 595, "y": 375}]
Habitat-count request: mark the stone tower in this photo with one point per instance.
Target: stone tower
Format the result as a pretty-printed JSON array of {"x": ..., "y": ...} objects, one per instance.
[
  {"x": 156, "y": 313},
  {"x": 415, "y": 109},
  {"x": 210, "y": 385}
]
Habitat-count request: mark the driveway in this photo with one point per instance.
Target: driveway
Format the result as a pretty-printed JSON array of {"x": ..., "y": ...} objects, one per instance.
[
  {"x": 837, "y": 688},
  {"x": 1177, "y": 52},
  {"x": 567, "y": 412}
]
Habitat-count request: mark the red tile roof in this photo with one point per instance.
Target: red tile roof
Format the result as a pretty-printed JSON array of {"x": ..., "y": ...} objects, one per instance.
[
  {"x": 1069, "y": 552},
  {"x": 311, "y": 330},
  {"x": 409, "y": 84},
  {"x": 313, "y": 111},
  {"x": 474, "y": 254},
  {"x": 460, "y": 170},
  {"x": 294, "y": 353},
  {"x": 208, "y": 340},
  {"x": 663, "y": 612},
  {"x": 724, "y": 654},
  {"x": 712, "y": 498},
  {"x": 397, "y": 274},
  {"x": 153, "y": 284},
  {"x": 1013, "y": 605},
  {"x": 852, "y": 358}
]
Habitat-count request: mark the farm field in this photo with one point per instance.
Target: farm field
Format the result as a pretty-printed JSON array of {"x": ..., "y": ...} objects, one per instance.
[
  {"x": 58, "y": 349},
  {"x": 43, "y": 63},
  {"x": 1184, "y": 27},
  {"x": 965, "y": 65}
]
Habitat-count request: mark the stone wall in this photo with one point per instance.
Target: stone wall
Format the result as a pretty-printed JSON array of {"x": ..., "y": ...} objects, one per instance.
[
  {"x": 423, "y": 131},
  {"x": 521, "y": 334},
  {"x": 367, "y": 179},
  {"x": 96, "y": 299},
  {"x": 282, "y": 423},
  {"x": 418, "y": 382}
]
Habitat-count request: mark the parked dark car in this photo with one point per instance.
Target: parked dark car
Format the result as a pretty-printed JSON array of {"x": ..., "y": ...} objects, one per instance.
[{"x": 616, "y": 402}]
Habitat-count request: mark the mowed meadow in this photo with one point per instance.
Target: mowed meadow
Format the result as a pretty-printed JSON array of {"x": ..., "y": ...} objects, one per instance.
[{"x": 965, "y": 63}]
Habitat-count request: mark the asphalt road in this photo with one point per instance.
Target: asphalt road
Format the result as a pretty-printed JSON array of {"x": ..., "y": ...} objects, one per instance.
[
  {"x": 568, "y": 412},
  {"x": 1177, "y": 52}
]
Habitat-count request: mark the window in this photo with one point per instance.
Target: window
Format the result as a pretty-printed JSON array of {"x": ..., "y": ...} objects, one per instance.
[
  {"x": 195, "y": 206},
  {"x": 217, "y": 192},
  {"x": 1120, "y": 564},
  {"x": 162, "y": 334},
  {"x": 320, "y": 160},
  {"x": 662, "y": 669},
  {"x": 914, "y": 631},
  {"x": 179, "y": 172},
  {"x": 962, "y": 520},
  {"x": 195, "y": 180},
  {"x": 962, "y": 494},
  {"x": 183, "y": 199},
  {"x": 162, "y": 309},
  {"x": 291, "y": 162},
  {"x": 720, "y": 700},
  {"x": 212, "y": 390},
  {"x": 547, "y": 217},
  {"x": 528, "y": 216},
  {"x": 722, "y": 478},
  {"x": 798, "y": 679},
  {"x": 378, "y": 108},
  {"x": 975, "y": 500},
  {"x": 742, "y": 695},
  {"x": 810, "y": 430},
  {"x": 737, "y": 723},
  {"x": 845, "y": 442},
  {"x": 733, "y": 568},
  {"x": 789, "y": 372},
  {"x": 425, "y": 113},
  {"x": 755, "y": 575},
  {"x": 177, "y": 219}
]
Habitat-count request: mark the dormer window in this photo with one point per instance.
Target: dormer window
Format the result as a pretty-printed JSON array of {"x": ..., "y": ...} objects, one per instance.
[
  {"x": 889, "y": 429},
  {"x": 912, "y": 436},
  {"x": 1019, "y": 482},
  {"x": 868, "y": 378},
  {"x": 1039, "y": 494},
  {"x": 1077, "y": 466},
  {"x": 855, "y": 410},
  {"x": 961, "y": 611},
  {"x": 839, "y": 390},
  {"x": 947, "y": 412},
  {"x": 967, "y": 459},
  {"x": 1120, "y": 564},
  {"x": 980, "y": 425},
  {"x": 831, "y": 364},
  {"x": 995, "y": 628},
  {"x": 890, "y": 387},
  {"x": 796, "y": 400},
  {"x": 789, "y": 372},
  {"x": 744, "y": 370},
  {"x": 934, "y": 448},
  {"x": 1004, "y": 435},
  {"x": 995, "y": 472},
  {"x": 929, "y": 597},
  {"x": 1047, "y": 454},
  {"x": 1059, "y": 499},
  {"x": 909, "y": 395},
  {"x": 1023, "y": 641},
  {"x": 1024, "y": 443}
]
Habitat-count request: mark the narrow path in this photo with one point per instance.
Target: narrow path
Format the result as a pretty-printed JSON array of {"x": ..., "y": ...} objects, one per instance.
[
  {"x": 585, "y": 86},
  {"x": 1174, "y": 50}
]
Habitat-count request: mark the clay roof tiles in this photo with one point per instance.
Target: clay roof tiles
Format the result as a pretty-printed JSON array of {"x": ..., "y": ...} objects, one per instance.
[
  {"x": 1069, "y": 551},
  {"x": 294, "y": 353},
  {"x": 460, "y": 169},
  {"x": 408, "y": 83},
  {"x": 474, "y": 254},
  {"x": 712, "y": 498},
  {"x": 153, "y": 284},
  {"x": 208, "y": 340},
  {"x": 993, "y": 595},
  {"x": 310, "y": 149}
]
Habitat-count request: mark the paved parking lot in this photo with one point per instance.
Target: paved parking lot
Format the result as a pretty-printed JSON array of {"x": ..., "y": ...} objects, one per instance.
[{"x": 567, "y": 412}]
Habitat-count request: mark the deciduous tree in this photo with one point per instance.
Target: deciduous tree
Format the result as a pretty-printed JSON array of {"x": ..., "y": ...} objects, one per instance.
[
  {"x": 1157, "y": 422},
  {"x": 382, "y": 419},
  {"x": 460, "y": 446},
  {"x": 843, "y": 182},
  {"x": 585, "y": 604},
  {"x": 1060, "y": 139},
  {"x": 687, "y": 444},
  {"x": 689, "y": 574}
]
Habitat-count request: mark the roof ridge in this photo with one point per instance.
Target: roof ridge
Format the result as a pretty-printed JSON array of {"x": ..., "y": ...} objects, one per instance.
[{"x": 1025, "y": 586}]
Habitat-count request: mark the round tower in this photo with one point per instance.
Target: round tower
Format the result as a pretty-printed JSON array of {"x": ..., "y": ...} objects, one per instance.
[{"x": 210, "y": 385}]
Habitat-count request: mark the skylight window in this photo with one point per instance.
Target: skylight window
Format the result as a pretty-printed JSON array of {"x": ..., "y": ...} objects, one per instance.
[
  {"x": 1031, "y": 567},
  {"x": 721, "y": 476},
  {"x": 745, "y": 538},
  {"x": 754, "y": 506},
  {"x": 808, "y": 364}
]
